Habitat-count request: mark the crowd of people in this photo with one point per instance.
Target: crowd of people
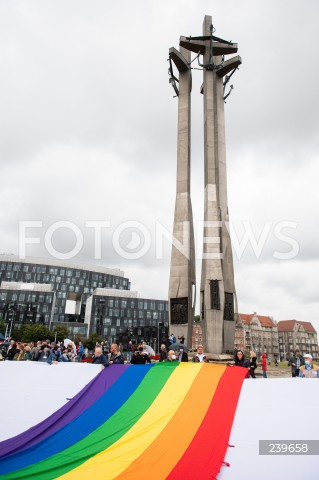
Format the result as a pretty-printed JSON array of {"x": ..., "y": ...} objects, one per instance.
[
  {"x": 42, "y": 351},
  {"x": 106, "y": 354},
  {"x": 301, "y": 366}
]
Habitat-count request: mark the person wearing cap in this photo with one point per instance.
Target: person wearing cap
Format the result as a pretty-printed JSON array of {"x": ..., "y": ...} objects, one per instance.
[
  {"x": 309, "y": 370},
  {"x": 296, "y": 362}
]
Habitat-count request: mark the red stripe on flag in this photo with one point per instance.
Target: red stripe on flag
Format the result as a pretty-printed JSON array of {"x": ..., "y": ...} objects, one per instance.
[{"x": 205, "y": 455}]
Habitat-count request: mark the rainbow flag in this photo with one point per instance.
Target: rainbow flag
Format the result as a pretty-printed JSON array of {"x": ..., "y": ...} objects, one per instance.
[{"x": 163, "y": 421}]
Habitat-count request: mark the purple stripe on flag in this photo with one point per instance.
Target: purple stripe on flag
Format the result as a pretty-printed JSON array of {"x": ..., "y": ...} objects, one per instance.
[{"x": 78, "y": 404}]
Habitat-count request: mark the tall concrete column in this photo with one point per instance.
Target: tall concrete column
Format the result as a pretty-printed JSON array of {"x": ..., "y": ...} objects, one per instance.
[
  {"x": 218, "y": 295},
  {"x": 182, "y": 272},
  {"x": 218, "y": 303}
]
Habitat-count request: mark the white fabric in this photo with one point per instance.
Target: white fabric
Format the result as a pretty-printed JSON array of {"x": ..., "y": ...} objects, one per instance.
[
  {"x": 31, "y": 391},
  {"x": 268, "y": 410}
]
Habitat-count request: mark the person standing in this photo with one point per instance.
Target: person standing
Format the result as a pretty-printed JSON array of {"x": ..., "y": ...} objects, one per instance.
[
  {"x": 240, "y": 360},
  {"x": 99, "y": 358},
  {"x": 140, "y": 357},
  {"x": 182, "y": 357},
  {"x": 296, "y": 362},
  {"x": 163, "y": 354},
  {"x": 80, "y": 352},
  {"x": 309, "y": 370},
  {"x": 264, "y": 365},
  {"x": 130, "y": 350},
  {"x": 200, "y": 357},
  {"x": 172, "y": 339},
  {"x": 12, "y": 350},
  {"x": 116, "y": 357},
  {"x": 171, "y": 357},
  {"x": 253, "y": 364}
]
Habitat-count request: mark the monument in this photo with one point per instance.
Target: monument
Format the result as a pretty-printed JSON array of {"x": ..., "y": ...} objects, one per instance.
[
  {"x": 182, "y": 275},
  {"x": 218, "y": 304}
]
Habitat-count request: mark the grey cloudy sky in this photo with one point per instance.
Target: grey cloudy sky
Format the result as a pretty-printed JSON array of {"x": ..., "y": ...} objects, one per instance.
[{"x": 88, "y": 133}]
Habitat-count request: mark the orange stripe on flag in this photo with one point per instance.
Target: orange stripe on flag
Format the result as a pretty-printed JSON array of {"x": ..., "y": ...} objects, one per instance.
[{"x": 165, "y": 451}]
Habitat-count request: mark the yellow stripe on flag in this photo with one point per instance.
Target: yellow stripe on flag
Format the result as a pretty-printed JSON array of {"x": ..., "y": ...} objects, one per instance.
[{"x": 116, "y": 458}]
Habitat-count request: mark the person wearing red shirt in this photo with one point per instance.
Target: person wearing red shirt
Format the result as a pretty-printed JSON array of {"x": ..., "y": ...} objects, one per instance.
[{"x": 264, "y": 365}]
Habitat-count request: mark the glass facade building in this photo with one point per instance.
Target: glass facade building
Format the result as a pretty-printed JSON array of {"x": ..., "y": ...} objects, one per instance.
[
  {"x": 23, "y": 304},
  {"x": 122, "y": 316},
  {"x": 85, "y": 298},
  {"x": 69, "y": 281}
]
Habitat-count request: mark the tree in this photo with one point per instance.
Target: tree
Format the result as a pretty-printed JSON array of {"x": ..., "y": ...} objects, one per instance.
[
  {"x": 60, "y": 332},
  {"x": 91, "y": 341},
  {"x": 33, "y": 333},
  {"x": 196, "y": 318},
  {"x": 2, "y": 327}
]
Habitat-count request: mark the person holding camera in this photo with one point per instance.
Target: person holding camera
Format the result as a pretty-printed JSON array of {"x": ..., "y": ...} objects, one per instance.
[{"x": 140, "y": 357}]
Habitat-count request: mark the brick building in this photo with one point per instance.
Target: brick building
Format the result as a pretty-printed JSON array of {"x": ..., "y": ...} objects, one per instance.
[
  {"x": 293, "y": 335},
  {"x": 258, "y": 333}
]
